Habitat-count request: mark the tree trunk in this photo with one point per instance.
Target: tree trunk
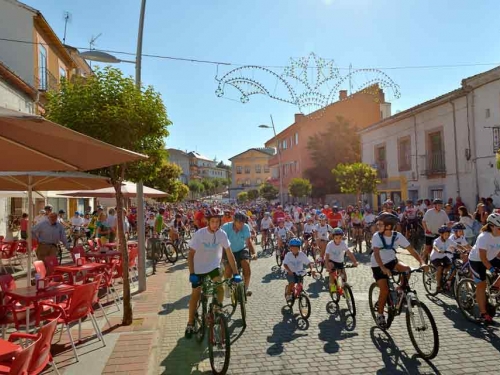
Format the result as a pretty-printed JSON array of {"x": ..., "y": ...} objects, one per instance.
[{"x": 127, "y": 305}]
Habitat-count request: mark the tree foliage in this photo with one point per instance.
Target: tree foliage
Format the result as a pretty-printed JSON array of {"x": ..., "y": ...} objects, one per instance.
[
  {"x": 268, "y": 191},
  {"x": 339, "y": 143},
  {"x": 242, "y": 197},
  {"x": 108, "y": 106},
  {"x": 356, "y": 178},
  {"x": 195, "y": 187},
  {"x": 182, "y": 191},
  {"x": 253, "y": 194},
  {"x": 208, "y": 184},
  {"x": 166, "y": 178},
  {"x": 300, "y": 187}
]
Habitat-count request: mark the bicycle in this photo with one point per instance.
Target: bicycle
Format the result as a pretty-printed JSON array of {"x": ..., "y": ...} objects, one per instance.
[
  {"x": 268, "y": 245},
  {"x": 402, "y": 294},
  {"x": 310, "y": 247},
  {"x": 238, "y": 296},
  {"x": 467, "y": 302},
  {"x": 342, "y": 289},
  {"x": 299, "y": 293},
  {"x": 319, "y": 263},
  {"x": 211, "y": 315},
  {"x": 449, "y": 282},
  {"x": 281, "y": 252},
  {"x": 358, "y": 239},
  {"x": 367, "y": 234}
]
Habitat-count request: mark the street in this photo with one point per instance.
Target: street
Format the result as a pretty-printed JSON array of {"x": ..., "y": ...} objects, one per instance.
[{"x": 279, "y": 342}]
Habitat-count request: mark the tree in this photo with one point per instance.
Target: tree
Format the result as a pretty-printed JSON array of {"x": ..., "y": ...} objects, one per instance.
[
  {"x": 356, "y": 178},
  {"x": 195, "y": 187},
  {"x": 253, "y": 194},
  {"x": 166, "y": 178},
  {"x": 182, "y": 191},
  {"x": 339, "y": 143},
  {"x": 108, "y": 106},
  {"x": 242, "y": 197},
  {"x": 208, "y": 185},
  {"x": 299, "y": 187},
  {"x": 268, "y": 191}
]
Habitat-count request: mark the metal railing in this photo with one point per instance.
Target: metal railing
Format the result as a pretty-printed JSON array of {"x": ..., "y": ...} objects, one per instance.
[
  {"x": 45, "y": 80},
  {"x": 435, "y": 163}
]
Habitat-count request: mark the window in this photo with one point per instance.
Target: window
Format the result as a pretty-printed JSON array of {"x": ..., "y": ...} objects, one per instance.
[
  {"x": 296, "y": 138},
  {"x": 380, "y": 161},
  {"x": 62, "y": 73},
  {"x": 496, "y": 139},
  {"x": 258, "y": 181},
  {"x": 247, "y": 182},
  {"x": 488, "y": 114},
  {"x": 283, "y": 146},
  {"x": 257, "y": 168},
  {"x": 296, "y": 166},
  {"x": 436, "y": 194},
  {"x": 247, "y": 169},
  {"x": 291, "y": 141},
  {"x": 42, "y": 67},
  {"x": 239, "y": 182},
  {"x": 435, "y": 153},
  {"x": 404, "y": 154},
  {"x": 266, "y": 168}
]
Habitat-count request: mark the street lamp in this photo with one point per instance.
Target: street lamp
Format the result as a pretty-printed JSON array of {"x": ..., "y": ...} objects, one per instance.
[
  {"x": 100, "y": 56},
  {"x": 263, "y": 126}
]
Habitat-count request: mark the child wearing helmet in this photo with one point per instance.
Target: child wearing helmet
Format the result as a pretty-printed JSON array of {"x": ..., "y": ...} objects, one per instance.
[
  {"x": 335, "y": 256},
  {"x": 281, "y": 233},
  {"x": 294, "y": 263},
  {"x": 309, "y": 228},
  {"x": 289, "y": 224},
  {"x": 322, "y": 235},
  {"x": 458, "y": 236},
  {"x": 439, "y": 255}
]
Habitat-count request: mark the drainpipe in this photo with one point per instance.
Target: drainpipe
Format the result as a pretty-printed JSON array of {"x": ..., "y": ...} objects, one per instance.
[
  {"x": 416, "y": 144},
  {"x": 474, "y": 155},
  {"x": 456, "y": 150}
]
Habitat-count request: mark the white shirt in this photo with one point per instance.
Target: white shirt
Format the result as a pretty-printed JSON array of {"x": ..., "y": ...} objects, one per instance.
[
  {"x": 266, "y": 223},
  {"x": 434, "y": 219},
  {"x": 369, "y": 218},
  {"x": 297, "y": 263},
  {"x": 77, "y": 221},
  {"x": 309, "y": 228},
  {"x": 448, "y": 245},
  {"x": 281, "y": 232},
  {"x": 336, "y": 253},
  {"x": 410, "y": 212},
  {"x": 208, "y": 249},
  {"x": 488, "y": 242},
  {"x": 296, "y": 216},
  {"x": 422, "y": 208},
  {"x": 323, "y": 231},
  {"x": 111, "y": 221},
  {"x": 387, "y": 255},
  {"x": 40, "y": 218},
  {"x": 288, "y": 225},
  {"x": 459, "y": 240}
]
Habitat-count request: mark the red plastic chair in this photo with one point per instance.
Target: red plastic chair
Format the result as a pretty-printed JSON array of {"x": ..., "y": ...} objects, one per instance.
[
  {"x": 109, "y": 276},
  {"x": 41, "y": 355},
  {"x": 91, "y": 245},
  {"x": 9, "y": 252},
  {"x": 11, "y": 311},
  {"x": 50, "y": 263},
  {"x": 21, "y": 362},
  {"x": 76, "y": 308},
  {"x": 133, "y": 255},
  {"x": 77, "y": 250},
  {"x": 41, "y": 269}
]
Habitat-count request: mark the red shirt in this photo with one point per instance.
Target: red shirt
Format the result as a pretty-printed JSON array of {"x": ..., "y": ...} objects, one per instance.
[
  {"x": 24, "y": 225},
  {"x": 334, "y": 219},
  {"x": 277, "y": 215},
  {"x": 199, "y": 219}
]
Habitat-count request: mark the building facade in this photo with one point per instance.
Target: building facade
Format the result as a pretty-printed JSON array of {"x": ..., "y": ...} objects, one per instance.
[
  {"x": 250, "y": 169},
  {"x": 360, "y": 109},
  {"x": 181, "y": 159},
  {"x": 442, "y": 148},
  {"x": 201, "y": 167}
]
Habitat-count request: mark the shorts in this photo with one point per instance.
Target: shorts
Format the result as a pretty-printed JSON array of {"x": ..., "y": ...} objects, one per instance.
[
  {"x": 429, "y": 240},
  {"x": 377, "y": 271},
  {"x": 238, "y": 256},
  {"x": 479, "y": 269},
  {"x": 266, "y": 230},
  {"x": 356, "y": 225},
  {"x": 307, "y": 236},
  {"x": 442, "y": 262},
  {"x": 292, "y": 278},
  {"x": 212, "y": 274},
  {"x": 24, "y": 235},
  {"x": 337, "y": 265}
]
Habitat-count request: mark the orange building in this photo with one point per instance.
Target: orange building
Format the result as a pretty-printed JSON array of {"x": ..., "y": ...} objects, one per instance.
[{"x": 360, "y": 109}]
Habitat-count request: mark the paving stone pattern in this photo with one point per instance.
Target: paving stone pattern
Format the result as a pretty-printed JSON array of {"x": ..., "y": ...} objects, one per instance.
[{"x": 276, "y": 341}]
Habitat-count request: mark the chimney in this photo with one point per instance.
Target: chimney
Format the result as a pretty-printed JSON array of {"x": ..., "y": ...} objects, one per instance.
[
  {"x": 342, "y": 94},
  {"x": 299, "y": 117}
]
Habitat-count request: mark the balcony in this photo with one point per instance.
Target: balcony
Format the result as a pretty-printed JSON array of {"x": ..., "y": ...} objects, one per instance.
[
  {"x": 435, "y": 163},
  {"x": 381, "y": 169},
  {"x": 45, "y": 80}
]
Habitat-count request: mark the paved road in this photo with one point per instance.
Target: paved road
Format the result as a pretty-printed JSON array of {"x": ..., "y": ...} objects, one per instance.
[{"x": 277, "y": 341}]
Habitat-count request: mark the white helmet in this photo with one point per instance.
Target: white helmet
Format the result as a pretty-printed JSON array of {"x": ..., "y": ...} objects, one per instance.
[{"x": 494, "y": 219}]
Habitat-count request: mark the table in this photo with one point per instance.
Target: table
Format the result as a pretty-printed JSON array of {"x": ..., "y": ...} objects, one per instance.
[
  {"x": 103, "y": 255},
  {"x": 31, "y": 295},
  {"x": 110, "y": 245},
  {"x": 73, "y": 270},
  {"x": 7, "y": 349}
]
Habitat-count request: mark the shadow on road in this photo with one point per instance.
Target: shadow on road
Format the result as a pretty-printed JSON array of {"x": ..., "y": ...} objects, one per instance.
[
  {"x": 176, "y": 266},
  {"x": 334, "y": 330},
  {"x": 276, "y": 273},
  {"x": 185, "y": 358},
  {"x": 397, "y": 361},
  {"x": 316, "y": 286},
  {"x": 177, "y": 305},
  {"x": 284, "y": 331}
]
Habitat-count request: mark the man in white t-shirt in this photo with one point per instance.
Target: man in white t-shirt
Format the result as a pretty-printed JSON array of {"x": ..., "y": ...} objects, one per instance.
[
  {"x": 434, "y": 219},
  {"x": 204, "y": 259},
  {"x": 40, "y": 217}
]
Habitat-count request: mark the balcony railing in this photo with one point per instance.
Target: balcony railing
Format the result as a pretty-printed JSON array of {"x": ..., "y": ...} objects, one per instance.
[
  {"x": 381, "y": 169},
  {"x": 435, "y": 163},
  {"x": 45, "y": 80}
]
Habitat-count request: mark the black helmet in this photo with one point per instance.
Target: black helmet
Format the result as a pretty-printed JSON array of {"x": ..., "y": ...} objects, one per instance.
[
  {"x": 62, "y": 212},
  {"x": 444, "y": 229},
  {"x": 240, "y": 216},
  {"x": 388, "y": 219},
  {"x": 437, "y": 201},
  {"x": 48, "y": 207},
  {"x": 458, "y": 226}
]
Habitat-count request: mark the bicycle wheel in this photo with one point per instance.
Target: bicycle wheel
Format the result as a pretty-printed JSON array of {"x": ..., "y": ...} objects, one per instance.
[
  {"x": 373, "y": 295},
  {"x": 430, "y": 281},
  {"x": 219, "y": 345},
  {"x": 304, "y": 306},
  {"x": 170, "y": 252},
  {"x": 183, "y": 248},
  {"x": 319, "y": 265},
  {"x": 291, "y": 300},
  {"x": 242, "y": 302},
  {"x": 422, "y": 330},
  {"x": 349, "y": 299},
  {"x": 466, "y": 299},
  {"x": 279, "y": 261},
  {"x": 199, "y": 323},
  {"x": 335, "y": 296},
  {"x": 234, "y": 296}
]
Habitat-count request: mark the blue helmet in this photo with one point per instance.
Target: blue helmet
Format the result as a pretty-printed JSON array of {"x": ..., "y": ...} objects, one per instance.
[
  {"x": 457, "y": 226},
  {"x": 444, "y": 229},
  {"x": 295, "y": 242}
]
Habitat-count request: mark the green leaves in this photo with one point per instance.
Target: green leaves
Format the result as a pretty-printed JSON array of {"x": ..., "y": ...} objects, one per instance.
[
  {"x": 356, "y": 178},
  {"x": 300, "y": 187},
  {"x": 253, "y": 194},
  {"x": 268, "y": 191},
  {"x": 242, "y": 197}
]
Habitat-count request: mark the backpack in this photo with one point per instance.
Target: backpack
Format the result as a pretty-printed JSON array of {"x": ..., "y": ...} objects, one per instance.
[
  {"x": 476, "y": 228},
  {"x": 384, "y": 244}
]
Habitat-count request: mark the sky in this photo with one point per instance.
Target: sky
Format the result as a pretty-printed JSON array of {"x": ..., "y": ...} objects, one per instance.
[{"x": 364, "y": 33}]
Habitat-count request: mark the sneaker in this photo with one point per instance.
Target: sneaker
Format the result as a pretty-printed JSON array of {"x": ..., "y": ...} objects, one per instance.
[
  {"x": 249, "y": 293},
  {"x": 189, "y": 331},
  {"x": 381, "y": 321},
  {"x": 486, "y": 318}
]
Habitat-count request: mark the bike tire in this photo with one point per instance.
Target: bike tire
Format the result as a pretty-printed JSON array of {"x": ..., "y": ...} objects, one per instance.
[
  {"x": 170, "y": 252},
  {"x": 234, "y": 296},
  {"x": 424, "y": 310},
  {"x": 279, "y": 261},
  {"x": 466, "y": 299},
  {"x": 374, "y": 307},
  {"x": 291, "y": 301},
  {"x": 304, "y": 306},
  {"x": 428, "y": 279},
  {"x": 242, "y": 303},
  {"x": 317, "y": 264},
  {"x": 335, "y": 296},
  {"x": 183, "y": 249},
  {"x": 218, "y": 329},
  {"x": 349, "y": 299}
]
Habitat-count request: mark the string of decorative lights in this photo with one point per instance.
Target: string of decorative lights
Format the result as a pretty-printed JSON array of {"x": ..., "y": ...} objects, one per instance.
[{"x": 202, "y": 61}]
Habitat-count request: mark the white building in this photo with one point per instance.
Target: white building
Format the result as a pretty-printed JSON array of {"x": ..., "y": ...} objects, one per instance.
[
  {"x": 202, "y": 167},
  {"x": 181, "y": 159},
  {"x": 442, "y": 148}
]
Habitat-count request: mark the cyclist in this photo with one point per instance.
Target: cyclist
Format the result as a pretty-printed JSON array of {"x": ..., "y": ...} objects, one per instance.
[
  {"x": 289, "y": 225},
  {"x": 335, "y": 217},
  {"x": 159, "y": 221},
  {"x": 309, "y": 228},
  {"x": 369, "y": 220},
  {"x": 458, "y": 236},
  {"x": 322, "y": 235},
  {"x": 356, "y": 220},
  {"x": 265, "y": 225},
  {"x": 383, "y": 259},
  {"x": 239, "y": 235},
  {"x": 439, "y": 258},
  {"x": 176, "y": 226},
  {"x": 335, "y": 256},
  {"x": 483, "y": 257},
  {"x": 294, "y": 263},
  {"x": 227, "y": 217},
  {"x": 205, "y": 255},
  {"x": 409, "y": 217},
  {"x": 281, "y": 233}
]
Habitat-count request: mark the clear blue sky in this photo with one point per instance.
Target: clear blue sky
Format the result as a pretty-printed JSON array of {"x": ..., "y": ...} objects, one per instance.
[{"x": 366, "y": 33}]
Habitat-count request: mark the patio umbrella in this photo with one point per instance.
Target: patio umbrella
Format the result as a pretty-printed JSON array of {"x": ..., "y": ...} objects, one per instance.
[
  {"x": 30, "y": 181},
  {"x": 129, "y": 190},
  {"x": 32, "y": 143}
]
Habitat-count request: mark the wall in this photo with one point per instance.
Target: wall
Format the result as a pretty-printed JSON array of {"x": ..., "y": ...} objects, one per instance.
[
  {"x": 14, "y": 99},
  {"x": 17, "y": 23},
  {"x": 250, "y": 159}
]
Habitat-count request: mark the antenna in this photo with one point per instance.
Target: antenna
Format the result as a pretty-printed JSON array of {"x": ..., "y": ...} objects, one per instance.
[
  {"x": 92, "y": 44},
  {"x": 67, "y": 19}
]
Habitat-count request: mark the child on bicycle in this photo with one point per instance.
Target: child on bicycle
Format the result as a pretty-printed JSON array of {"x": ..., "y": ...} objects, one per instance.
[
  {"x": 266, "y": 224},
  {"x": 335, "y": 256},
  {"x": 322, "y": 235},
  {"x": 458, "y": 236},
  {"x": 439, "y": 258},
  {"x": 383, "y": 258},
  {"x": 294, "y": 263},
  {"x": 281, "y": 233}
]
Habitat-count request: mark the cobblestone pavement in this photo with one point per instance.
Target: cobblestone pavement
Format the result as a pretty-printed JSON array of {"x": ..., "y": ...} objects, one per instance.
[{"x": 277, "y": 341}]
